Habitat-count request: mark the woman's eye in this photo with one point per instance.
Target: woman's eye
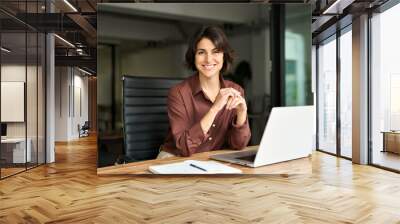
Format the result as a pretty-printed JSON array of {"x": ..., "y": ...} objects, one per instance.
[{"x": 200, "y": 52}]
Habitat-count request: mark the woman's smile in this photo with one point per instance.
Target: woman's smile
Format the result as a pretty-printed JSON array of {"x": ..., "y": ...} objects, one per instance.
[{"x": 209, "y": 66}]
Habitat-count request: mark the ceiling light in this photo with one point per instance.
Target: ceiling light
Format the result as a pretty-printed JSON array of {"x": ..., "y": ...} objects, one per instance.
[
  {"x": 84, "y": 71},
  {"x": 338, "y": 6},
  {"x": 80, "y": 51},
  {"x": 70, "y": 5},
  {"x": 5, "y": 49},
  {"x": 333, "y": 6},
  {"x": 65, "y": 41}
]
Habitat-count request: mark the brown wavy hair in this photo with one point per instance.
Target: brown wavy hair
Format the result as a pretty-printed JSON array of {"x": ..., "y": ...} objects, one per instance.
[{"x": 219, "y": 39}]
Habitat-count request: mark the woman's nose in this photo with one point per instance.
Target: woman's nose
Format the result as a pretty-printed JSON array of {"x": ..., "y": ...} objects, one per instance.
[{"x": 208, "y": 57}]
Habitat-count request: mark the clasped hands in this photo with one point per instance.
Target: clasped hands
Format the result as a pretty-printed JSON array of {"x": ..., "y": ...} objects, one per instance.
[{"x": 231, "y": 98}]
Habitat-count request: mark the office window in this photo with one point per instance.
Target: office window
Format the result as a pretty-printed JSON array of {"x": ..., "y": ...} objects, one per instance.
[
  {"x": 346, "y": 92},
  {"x": 385, "y": 88},
  {"x": 297, "y": 55},
  {"x": 327, "y": 95}
]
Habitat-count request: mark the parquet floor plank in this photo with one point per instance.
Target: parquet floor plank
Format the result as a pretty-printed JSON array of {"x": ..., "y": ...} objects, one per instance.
[{"x": 69, "y": 191}]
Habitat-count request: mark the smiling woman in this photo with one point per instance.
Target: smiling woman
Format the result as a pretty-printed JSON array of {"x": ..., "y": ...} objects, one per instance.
[
  {"x": 197, "y": 109},
  {"x": 205, "y": 111}
]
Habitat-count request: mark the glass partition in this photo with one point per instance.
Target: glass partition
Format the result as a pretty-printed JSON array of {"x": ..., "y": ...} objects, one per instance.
[
  {"x": 385, "y": 89},
  {"x": 346, "y": 92},
  {"x": 41, "y": 91},
  {"x": 31, "y": 99},
  {"x": 22, "y": 90},
  {"x": 327, "y": 95},
  {"x": 13, "y": 109}
]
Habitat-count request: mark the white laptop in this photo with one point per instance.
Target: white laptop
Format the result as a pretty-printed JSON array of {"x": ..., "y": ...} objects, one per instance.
[{"x": 288, "y": 135}]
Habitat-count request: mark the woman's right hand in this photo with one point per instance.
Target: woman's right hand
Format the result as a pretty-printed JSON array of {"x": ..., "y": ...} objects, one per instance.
[{"x": 223, "y": 97}]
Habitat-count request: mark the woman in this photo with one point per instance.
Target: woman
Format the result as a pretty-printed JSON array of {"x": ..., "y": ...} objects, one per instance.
[{"x": 205, "y": 111}]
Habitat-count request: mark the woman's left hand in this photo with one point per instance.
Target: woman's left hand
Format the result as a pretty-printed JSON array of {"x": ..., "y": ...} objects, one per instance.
[{"x": 237, "y": 101}]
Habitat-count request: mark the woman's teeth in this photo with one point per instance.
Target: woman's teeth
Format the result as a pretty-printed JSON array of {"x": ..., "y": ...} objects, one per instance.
[{"x": 209, "y": 66}]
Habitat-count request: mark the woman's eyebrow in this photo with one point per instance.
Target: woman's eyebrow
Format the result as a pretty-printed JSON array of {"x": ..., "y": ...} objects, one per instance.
[{"x": 201, "y": 49}]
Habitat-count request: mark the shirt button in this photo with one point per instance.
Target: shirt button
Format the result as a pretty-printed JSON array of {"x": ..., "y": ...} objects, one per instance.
[
  {"x": 210, "y": 138},
  {"x": 213, "y": 125}
]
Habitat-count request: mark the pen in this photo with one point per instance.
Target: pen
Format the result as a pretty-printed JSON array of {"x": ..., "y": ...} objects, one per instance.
[{"x": 198, "y": 167}]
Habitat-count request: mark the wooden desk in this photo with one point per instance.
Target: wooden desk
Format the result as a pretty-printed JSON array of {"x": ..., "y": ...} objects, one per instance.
[
  {"x": 391, "y": 141},
  {"x": 13, "y": 150},
  {"x": 298, "y": 166}
]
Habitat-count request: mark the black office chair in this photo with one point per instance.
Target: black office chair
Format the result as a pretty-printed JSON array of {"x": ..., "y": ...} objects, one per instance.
[
  {"x": 145, "y": 116},
  {"x": 84, "y": 129}
]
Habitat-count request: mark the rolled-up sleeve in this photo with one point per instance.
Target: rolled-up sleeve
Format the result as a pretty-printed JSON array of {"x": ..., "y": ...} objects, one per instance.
[
  {"x": 187, "y": 136},
  {"x": 239, "y": 136}
]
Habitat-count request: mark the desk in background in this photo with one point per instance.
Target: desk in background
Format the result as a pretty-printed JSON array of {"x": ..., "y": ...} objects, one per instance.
[
  {"x": 13, "y": 150},
  {"x": 298, "y": 166},
  {"x": 391, "y": 141}
]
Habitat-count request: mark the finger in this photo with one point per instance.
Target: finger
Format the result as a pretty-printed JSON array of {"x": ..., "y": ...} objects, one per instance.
[
  {"x": 227, "y": 94},
  {"x": 225, "y": 90},
  {"x": 234, "y": 91},
  {"x": 241, "y": 101},
  {"x": 229, "y": 102},
  {"x": 237, "y": 96},
  {"x": 236, "y": 103},
  {"x": 230, "y": 90},
  {"x": 233, "y": 103},
  {"x": 222, "y": 91}
]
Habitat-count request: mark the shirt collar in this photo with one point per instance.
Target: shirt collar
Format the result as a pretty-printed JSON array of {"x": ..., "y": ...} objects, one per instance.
[{"x": 195, "y": 83}]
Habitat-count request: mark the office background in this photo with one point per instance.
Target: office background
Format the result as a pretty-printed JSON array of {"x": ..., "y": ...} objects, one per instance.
[
  {"x": 339, "y": 190},
  {"x": 357, "y": 81},
  {"x": 22, "y": 108},
  {"x": 151, "y": 41},
  {"x": 45, "y": 83},
  {"x": 334, "y": 87}
]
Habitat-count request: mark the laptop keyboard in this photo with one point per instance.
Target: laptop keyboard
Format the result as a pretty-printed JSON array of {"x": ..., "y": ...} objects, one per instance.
[{"x": 247, "y": 158}]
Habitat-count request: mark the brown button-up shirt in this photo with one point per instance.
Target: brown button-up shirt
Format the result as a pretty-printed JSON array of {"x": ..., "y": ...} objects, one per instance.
[{"x": 187, "y": 105}]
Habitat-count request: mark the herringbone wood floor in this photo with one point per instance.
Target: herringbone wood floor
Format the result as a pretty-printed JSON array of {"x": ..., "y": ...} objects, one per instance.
[{"x": 69, "y": 191}]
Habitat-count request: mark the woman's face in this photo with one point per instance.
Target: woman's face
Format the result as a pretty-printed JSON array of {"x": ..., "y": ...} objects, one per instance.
[{"x": 208, "y": 59}]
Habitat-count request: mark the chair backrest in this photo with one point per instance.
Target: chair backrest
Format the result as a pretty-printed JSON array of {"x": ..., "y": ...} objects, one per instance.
[
  {"x": 145, "y": 115},
  {"x": 86, "y": 125}
]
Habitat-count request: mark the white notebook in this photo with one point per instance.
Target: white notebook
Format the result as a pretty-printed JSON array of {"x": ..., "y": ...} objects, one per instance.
[{"x": 194, "y": 167}]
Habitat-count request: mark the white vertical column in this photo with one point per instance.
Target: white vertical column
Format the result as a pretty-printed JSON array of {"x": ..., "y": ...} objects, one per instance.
[
  {"x": 314, "y": 90},
  {"x": 360, "y": 90},
  {"x": 50, "y": 93},
  {"x": 50, "y": 99}
]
